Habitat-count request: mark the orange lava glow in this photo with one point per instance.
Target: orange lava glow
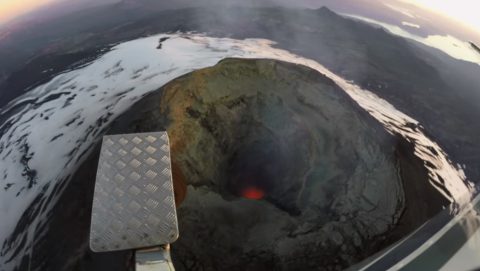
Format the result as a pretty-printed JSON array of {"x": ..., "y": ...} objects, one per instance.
[{"x": 253, "y": 193}]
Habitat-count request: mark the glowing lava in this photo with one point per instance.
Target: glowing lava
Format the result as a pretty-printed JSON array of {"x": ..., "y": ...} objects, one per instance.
[{"x": 253, "y": 193}]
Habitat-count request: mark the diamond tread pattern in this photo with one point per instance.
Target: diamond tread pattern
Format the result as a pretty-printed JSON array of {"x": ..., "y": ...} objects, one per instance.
[{"x": 133, "y": 204}]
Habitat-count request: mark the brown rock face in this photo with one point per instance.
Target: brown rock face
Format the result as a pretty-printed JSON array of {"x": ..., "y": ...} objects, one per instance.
[{"x": 179, "y": 184}]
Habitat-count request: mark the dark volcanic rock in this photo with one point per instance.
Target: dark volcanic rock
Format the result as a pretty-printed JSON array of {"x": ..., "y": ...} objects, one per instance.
[{"x": 324, "y": 172}]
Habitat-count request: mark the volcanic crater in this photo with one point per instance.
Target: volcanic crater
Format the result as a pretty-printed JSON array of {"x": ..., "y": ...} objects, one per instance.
[{"x": 279, "y": 167}]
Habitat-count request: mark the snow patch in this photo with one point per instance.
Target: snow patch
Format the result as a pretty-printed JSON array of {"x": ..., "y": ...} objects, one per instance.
[{"x": 411, "y": 25}]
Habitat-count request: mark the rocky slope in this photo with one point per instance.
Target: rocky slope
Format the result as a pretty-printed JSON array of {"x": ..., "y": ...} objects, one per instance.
[{"x": 327, "y": 176}]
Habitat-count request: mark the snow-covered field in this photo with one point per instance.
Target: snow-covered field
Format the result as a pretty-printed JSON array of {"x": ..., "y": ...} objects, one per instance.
[{"x": 51, "y": 129}]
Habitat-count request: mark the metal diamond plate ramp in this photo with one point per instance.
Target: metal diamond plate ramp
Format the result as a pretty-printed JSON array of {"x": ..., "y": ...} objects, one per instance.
[{"x": 133, "y": 204}]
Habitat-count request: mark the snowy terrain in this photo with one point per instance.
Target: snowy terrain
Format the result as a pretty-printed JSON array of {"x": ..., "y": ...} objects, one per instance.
[
  {"x": 450, "y": 45},
  {"x": 49, "y": 131}
]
